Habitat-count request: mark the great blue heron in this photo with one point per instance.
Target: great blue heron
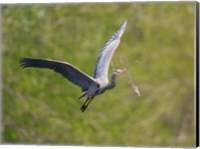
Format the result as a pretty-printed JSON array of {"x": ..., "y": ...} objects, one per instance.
[{"x": 91, "y": 86}]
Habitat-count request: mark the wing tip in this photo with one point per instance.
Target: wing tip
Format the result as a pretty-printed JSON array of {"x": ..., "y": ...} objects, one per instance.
[
  {"x": 24, "y": 62},
  {"x": 122, "y": 29},
  {"x": 124, "y": 24}
]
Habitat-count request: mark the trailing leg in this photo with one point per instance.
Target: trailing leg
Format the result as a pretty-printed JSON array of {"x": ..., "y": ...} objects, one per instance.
[
  {"x": 82, "y": 95},
  {"x": 86, "y": 103}
]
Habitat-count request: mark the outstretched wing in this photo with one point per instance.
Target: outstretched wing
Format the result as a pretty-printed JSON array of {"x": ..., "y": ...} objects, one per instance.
[
  {"x": 69, "y": 71},
  {"x": 103, "y": 61}
]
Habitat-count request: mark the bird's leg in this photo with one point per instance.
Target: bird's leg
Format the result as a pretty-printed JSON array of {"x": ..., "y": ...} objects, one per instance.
[
  {"x": 86, "y": 103},
  {"x": 82, "y": 95},
  {"x": 84, "y": 106}
]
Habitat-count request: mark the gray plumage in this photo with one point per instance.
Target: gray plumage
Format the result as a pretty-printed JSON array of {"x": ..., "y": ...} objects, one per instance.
[{"x": 89, "y": 85}]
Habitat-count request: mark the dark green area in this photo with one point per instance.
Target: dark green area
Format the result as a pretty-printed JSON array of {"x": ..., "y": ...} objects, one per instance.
[{"x": 41, "y": 107}]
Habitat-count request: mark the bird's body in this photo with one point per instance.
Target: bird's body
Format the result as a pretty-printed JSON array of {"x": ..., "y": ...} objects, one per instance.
[{"x": 91, "y": 86}]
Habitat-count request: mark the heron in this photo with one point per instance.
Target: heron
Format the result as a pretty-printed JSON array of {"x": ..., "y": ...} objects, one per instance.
[{"x": 91, "y": 86}]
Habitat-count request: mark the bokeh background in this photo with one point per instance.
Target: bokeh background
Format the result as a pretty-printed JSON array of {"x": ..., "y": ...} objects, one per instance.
[{"x": 41, "y": 107}]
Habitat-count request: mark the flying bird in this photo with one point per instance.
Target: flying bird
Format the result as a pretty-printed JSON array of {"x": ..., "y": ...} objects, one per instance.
[{"x": 91, "y": 86}]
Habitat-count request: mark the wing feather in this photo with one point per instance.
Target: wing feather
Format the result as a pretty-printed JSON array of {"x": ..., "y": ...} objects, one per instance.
[
  {"x": 69, "y": 71},
  {"x": 104, "y": 58}
]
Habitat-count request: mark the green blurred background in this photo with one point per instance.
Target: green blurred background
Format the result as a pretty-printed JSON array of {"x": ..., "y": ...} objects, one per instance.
[{"x": 41, "y": 107}]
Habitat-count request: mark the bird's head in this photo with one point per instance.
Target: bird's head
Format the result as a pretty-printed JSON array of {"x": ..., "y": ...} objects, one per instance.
[{"x": 119, "y": 71}]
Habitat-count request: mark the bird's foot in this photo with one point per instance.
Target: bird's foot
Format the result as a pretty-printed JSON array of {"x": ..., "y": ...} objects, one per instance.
[{"x": 83, "y": 108}]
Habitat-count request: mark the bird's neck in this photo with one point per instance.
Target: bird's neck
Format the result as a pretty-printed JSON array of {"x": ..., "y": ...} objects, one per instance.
[
  {"x": 112, "y": 84},
  {"x": 113, "y": 79}
]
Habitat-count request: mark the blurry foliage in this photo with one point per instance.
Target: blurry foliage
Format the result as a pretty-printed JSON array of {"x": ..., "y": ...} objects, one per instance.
[{"x": 41, "y": 107}]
